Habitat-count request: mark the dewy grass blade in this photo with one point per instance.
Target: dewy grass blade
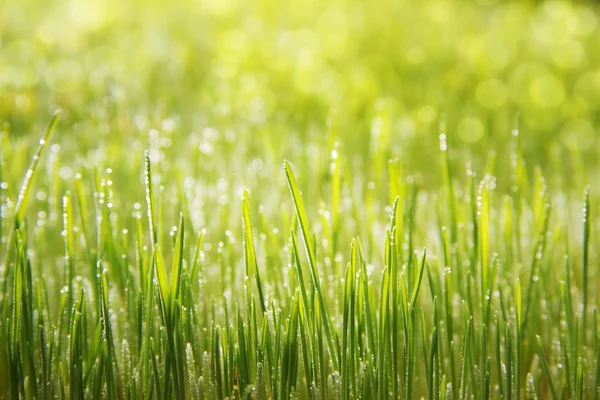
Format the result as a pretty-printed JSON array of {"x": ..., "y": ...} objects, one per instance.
[
  {"x": 464, "y": 360},
  {"x": 163, "y": 284},
  {"x": 537, "y": 259},
  {"x": 579, "y": 386},
  {"x": 546, "y": 369},
  {"x": 508, "y": 359},
  {"x": 382, "y": 370},
  {"x": 596, "y": 387},
  {"x": 447, "y": 176},
  {"x": 518, "y": 340},
  {"x": 301, "y": 214},
  {"x": 397, "y": 197},
  {"x": 250, "y": 251},
  {"x": 76, "y": 351},
  {"x": 391, "y": 256},
  {"x": 336, "y": 184},
  {"x": 150, "y": 199},
  {"x": 26, "y": 186},
  {"x": 345, "y": 369},
  {"x": 498, "y": 356},
  {"x": 69, "y": 248},
  {"x": 432, "y": 364},
  {"x": 482, "y": 362},
  {"x": 177, "y": 265},
  {"x": 484, "y": 252},
  {"x": 197, "y": 255},
  {"x": 425, "y": 352},
  {"x": 517, "y": 184},
  {"x": 531, "y": 392},
  {"x": 417, "y": 285},
  {"x": 23, "y": 196},
  {"x": 84, "y": 219},
  {"x": 300, "y": 276},
  {"x": 243, "y": 365},
  {"x": 17, "y": 301},
  {"x": 586, "y": 245},
  {"x": 305, "y": 337}
]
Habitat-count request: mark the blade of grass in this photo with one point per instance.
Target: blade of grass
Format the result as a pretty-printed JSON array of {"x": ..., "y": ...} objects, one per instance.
[
  {"x": 250, "y": 251},
  {"x": 303, "y": 220},
  {"x": 518, "y": 339},
  {"x": 546, "y": 369},
  {"x": 586, "y": 245}
]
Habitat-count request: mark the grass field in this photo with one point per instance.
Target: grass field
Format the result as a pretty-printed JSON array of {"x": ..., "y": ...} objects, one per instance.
[{"x": 299, "y": 199}]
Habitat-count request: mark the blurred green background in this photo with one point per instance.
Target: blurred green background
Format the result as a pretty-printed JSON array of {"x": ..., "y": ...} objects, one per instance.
[{"x": 293, "y": 68}]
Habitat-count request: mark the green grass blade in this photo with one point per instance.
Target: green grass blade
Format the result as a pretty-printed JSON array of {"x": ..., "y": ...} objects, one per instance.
[
  {"x": 518, "y": 339},
  {"x": 546, "y": 369},
  {"x": 579, "y": 387},
  {"x": 417, "y": 286},
  {"x": 303, "y": 220},
  {"x": 586, "y": 245},
  {"x": 250, "y": 251},
  {"x": 26, "y": 185},
  {"x": 150, "y": 200},
  {"x": 484, "y": 252},
  {"x": 163, "y": 284},
  {"x": 177, "y": 265}
]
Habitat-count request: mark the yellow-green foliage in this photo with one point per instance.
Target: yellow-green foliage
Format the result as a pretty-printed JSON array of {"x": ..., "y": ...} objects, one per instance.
[{"x": 275, "y": 199}]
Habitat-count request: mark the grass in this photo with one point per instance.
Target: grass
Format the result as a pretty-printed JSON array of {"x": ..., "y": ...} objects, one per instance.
[{"x": 276, "y": 201}]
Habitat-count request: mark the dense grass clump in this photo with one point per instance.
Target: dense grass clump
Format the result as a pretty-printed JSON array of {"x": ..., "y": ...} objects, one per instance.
[{"x": 324, "y": 200}]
